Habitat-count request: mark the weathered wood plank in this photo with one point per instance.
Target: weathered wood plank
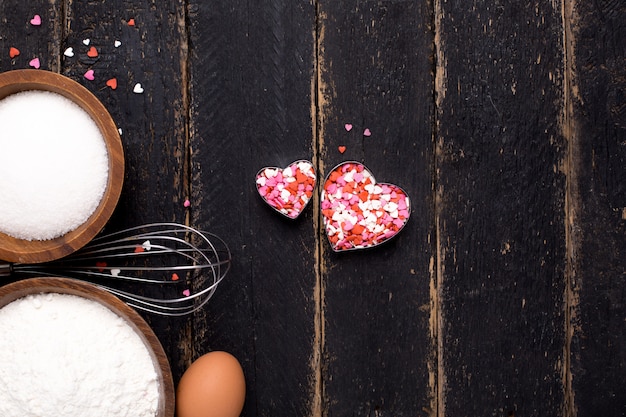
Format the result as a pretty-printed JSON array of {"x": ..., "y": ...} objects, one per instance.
[
  {"x": 153, "y": 123},
  {"x": 501, "y": 208},
  {"x": 598, "y": 170},
  {"x": 251, "y": 69},
  {"x": 375, "y": 71}
]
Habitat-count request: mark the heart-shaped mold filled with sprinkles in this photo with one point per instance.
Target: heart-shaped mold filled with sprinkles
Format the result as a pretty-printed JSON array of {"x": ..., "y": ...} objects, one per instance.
[
  {"x": 357, "y": 211},
  {"x": 288, "y": 190}
]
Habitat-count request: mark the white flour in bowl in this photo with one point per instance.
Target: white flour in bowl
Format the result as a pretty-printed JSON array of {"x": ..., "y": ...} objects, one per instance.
[
  {"x": 68, "y": 356},
  {"x": 53, "y": 165}
]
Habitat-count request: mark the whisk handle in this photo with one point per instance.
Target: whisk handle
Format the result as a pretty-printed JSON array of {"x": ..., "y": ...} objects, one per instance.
[{"x": 5, "y": 270}]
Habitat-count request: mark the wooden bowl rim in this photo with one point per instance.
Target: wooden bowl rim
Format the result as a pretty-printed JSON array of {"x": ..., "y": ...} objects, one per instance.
[
  {"x": 35, "y": 251},
  {"x": 19, "y": 289}
]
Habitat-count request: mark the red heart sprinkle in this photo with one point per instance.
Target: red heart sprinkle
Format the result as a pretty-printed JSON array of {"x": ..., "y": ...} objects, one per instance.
[
  {"x": 289, "y": 190},
  {"x": 131, "y": 22},
  {"x": 112, "y": 83},
  {"x": 101, "y": 266},
  {"x": 342, "y": 149},
  {"x": 175, "y": 277},
  {"x": 358, "y": 212},
  {"x": 92, "y": 52},
  {"x": 139, "y": 249},
  {"x": 13, "y": 52}
]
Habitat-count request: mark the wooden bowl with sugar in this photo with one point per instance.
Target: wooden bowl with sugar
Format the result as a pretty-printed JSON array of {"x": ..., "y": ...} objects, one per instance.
[
  {"x": 39, "y": 223},
  {"x": 67, "y": 314}
]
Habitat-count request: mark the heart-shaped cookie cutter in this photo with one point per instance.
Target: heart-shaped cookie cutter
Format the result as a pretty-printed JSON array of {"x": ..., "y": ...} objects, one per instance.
[{"x": 357, "y": 212}]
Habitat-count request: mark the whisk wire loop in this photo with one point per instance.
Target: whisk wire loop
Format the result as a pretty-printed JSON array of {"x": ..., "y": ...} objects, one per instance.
[{"x": 162, "y": 258}]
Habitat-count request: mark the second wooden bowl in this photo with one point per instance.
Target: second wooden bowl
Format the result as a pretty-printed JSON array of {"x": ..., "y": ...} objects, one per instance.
[{"x": 44, "y": 285}]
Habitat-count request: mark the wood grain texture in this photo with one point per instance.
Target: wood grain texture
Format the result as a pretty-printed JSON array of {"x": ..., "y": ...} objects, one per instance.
[
  {"x": 153, "y": 123},
  {"x": 42, "y": 42},
  {"x": 501, "y": 208},
  {"x": 505, "y": 123},
  {"x": 375, "y": 72},
  {"x": 251, "y": 68},
  {"x": 598, "y": 123}
]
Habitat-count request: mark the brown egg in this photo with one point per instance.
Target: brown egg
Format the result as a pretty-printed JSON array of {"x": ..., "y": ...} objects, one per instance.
[{"x": 213, "y": 386}]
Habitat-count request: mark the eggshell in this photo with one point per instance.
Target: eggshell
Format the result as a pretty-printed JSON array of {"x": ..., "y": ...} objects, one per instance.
[{"x": 213, "y": 386}]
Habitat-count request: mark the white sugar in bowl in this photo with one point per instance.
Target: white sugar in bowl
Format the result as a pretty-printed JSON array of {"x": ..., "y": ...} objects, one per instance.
[{"x": 61, "y": 166}]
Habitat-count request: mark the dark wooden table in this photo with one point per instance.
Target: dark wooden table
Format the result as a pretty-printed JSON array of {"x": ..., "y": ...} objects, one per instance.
[{"x": 505, "y": 122}]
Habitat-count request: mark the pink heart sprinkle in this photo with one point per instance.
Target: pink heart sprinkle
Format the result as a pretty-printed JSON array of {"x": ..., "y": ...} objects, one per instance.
[
  {"x": 187, "y": 203},
  {"x": 36, "y": 20},
  {"x": 348, "y": 127},
  {"x": 186, "y": 293},
  {"x": 89, "y": 75},
  {"x": 35, "y": 63},
  {"x": 367, "y": 132}
]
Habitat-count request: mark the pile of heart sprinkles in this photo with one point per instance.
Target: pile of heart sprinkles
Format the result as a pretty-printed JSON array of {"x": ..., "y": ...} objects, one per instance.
[
  {"x": 359, "y": 213},
  {"x": 287, "y": 190}
]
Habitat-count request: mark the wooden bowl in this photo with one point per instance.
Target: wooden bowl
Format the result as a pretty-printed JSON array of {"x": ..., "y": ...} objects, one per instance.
[
  {"x": 19, "y": 289},
  {"x": 35, "y": 251}
]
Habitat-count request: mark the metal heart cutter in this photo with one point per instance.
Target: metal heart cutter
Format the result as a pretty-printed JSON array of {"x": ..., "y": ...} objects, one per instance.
[{"x": 357, "y": 211}]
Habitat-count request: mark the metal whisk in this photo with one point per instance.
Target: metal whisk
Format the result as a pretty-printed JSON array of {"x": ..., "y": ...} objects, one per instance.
[{"x": 167, "y": 268}]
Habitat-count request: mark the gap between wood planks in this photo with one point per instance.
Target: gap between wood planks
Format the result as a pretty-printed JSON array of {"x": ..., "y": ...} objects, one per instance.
[
  {"x": 317, "y": 363},
  {"x": 439, "y": 69},
  {"x": 572, "y": 198},
  {"x": 189, "y": 351}
]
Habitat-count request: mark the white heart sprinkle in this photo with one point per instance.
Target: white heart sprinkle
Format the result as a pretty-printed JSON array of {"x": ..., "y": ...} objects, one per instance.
[
  {"x": 115, "y": 272},
  {"x": 86, "y": 41},
  {"x": 117, "y": 44},
  {"x": 69, "y": 52},
  {"x": 120, "y": 131},
  {"x": 271, "y": 172},
  {"x": 146, "y": 245},
  {"x": 138, "y": 88}
]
